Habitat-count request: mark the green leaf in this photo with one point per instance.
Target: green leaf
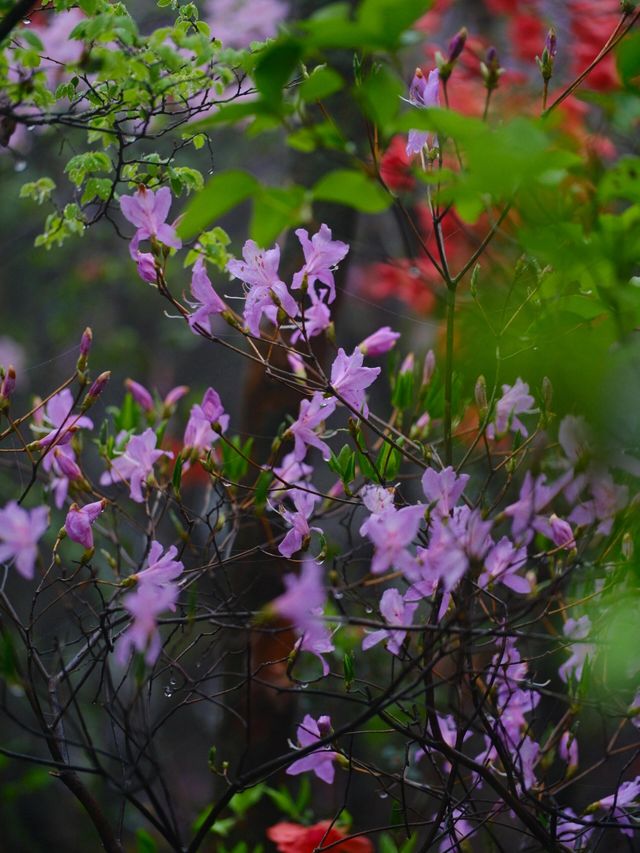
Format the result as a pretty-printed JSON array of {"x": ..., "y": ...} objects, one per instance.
[
  {"x": 321, "y": 83},
  {"x": 380, "y": 95},
  {"x": 275, "y": 209},
  {"x": 145, "y": 842},
  {"x": 176, "y": 478},
  {"x": 354, "y": 189},
  {"x": 275, "y": 67},
  {"x": 628, "y": 59},
  {"x": 243, "y": 801},
  {"x": 222, "y": 193},
  {"x": 389, "y": 18},
  {"x": 622, "y": 180}
]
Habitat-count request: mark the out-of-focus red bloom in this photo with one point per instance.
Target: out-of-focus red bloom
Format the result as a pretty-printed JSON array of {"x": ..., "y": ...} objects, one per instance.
[
  {"x": 293, "y": 838},
  {"x": 408, "y": 279},
  {"x": 526, "y": 36},
  {"x": 395, "y": 167}
]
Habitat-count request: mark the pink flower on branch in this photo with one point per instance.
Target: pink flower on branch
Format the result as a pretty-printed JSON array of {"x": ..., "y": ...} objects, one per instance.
[
  {"x": 79, "y": 522},
  {"x": 380, "y": 342},
  {"x": 135, "y": 465},
  {"x": 200, "y": 433},
  {"x": 312, "y": 415},
  {"x": 349, "y": 379},
  {"x": 321, "y": 256},
  {"x": 20, "y": 530},
  {"x": 423, "y": 92},
  {"x": 145, "y": 605},
  {"x": 396, "y": 612},
  {"x": 206, "y": 301},
  {"x": 319, "y": 761},
  {"x": 148, "y": 211}
]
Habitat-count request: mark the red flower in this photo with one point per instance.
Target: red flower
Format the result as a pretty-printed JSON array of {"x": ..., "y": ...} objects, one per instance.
[
  {"x": 293, "y": 838},
  {"x": 395, "y": 167}
]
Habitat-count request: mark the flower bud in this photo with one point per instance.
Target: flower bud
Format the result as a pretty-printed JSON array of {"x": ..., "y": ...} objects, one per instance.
[
  {"x": 95, "y": 391},
  {"x": 491, "y": 70},
  {"x": 140, "y": 394},
  {"x": 456, "y": 45},
  {"x": 429, "y": 367},
  {"x": 68, "y": 466},
  {"x": 146, "y": 266},
  {"x": 175, "y": 395},
  {"x": 420, "y": 429},
  {"x": 545, "y": 62},
  {"x": 407, "y": 365},
  {"x": 380, "y": 342},
  {"x": 7, "y": 387},
  {"x": 480, "y": 393}
]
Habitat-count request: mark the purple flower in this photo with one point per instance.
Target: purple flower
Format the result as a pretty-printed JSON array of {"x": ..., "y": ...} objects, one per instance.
[
  {"x": 560, "y": 533},
  {"x": 380, "y": 342},
  {"x": 206, "y": 301},
  {"x": 237, "y": 23},
  {"x": 535, "y": 494},
  {"x": 79, "y": 521},
  {"x": 148, "y": 211},
  {"x": 312, "y": 414},
  {"x": 527, "y": 754},
  {"x": 298, "y": 537},
  {"x": 174, "y": 396},
  {"x": 444, "y": 488},
  {"x": 162, "y": 569},
  {"x": 391, "y": 532},
  {"x": 140, "y": 394},
  {"x": 625, "y": 796},
  {"x": 145, "y": 605},
  {"x": 395, "y": 611},
  {"x": 577, "y": 629},
  {"x": 376, "y": 499},
  {"x": 321, "y": 760},
  {"x": 321, "y": 256},
  {"x": 568, "y": 751},
  {"x": 423, "y": 93},
  {"x": 317, "y": 318},
  {"x": 136, "y": 463},
  {"x": 608, "y": 498},
  {"x": 349, "y": 378},
  {"x": 501, "y": 565},
  {"x": 570, "y": 832},
  {"x": 259, "y": 271},
  {"x": 291, "y": 472},
  {"x": 59, "y": 419},
  {"x": 515, "y": 401},
  {"x": 20, "y": 530},
  {"x": 199, "y": 433}
]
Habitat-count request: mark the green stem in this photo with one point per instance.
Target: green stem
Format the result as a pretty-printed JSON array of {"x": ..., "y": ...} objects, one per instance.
[{"x": 448, "y": 374}]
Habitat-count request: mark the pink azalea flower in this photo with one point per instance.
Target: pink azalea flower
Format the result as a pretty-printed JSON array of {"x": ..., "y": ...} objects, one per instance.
[
  {"x": 395, "y": 611},
  {"x": 321, "y": 760},
  {"x": 312, "y": 414},
  {"x": 162, "y": 569},
  {"x": 206, "y": 301},
  {"x": 59, "y": 418},
  {"x": 259, "y": 271},
  {"x": 570, "y": 832},
  {"x": 199, "y": 433},
  {"x": 305, "y": 594},
  {"x": 291, "y": 472},
  {"x": 380, "y": 342},
  {"x": 321, "y": 255},
  {"x": 579, "y": 630},
  {"x": 317, "y": 318},
  {"x": 62, "y": 465},
  {"x": 175, "y": 395},
  {"x": 376, "y": 499},
  {"x": 423, "y": 93},
  {"x": 444, "y": 488},
  {"x": 145, "y": 605},
  {"x": 79, "y": 521},
  {"x": 300, "y": 532},
  {"x": 527, "y": 756},
  {"x": 535, "y": 495},
  {"x": 146, "y": 266},
  {"x": 20, "y": 530},
  {"x": 501, "y": 565},
  {"x": 349, "y": 378},
  {"x": 237, "y": 23},
  {"x": 391, "y": 532},
  {"x": 560, "y": 533},
  {"x": 148, "y": 211},
  {"x": 515, "y": 401},
  {"x": 568, "y": 750},
  {"x": 608, "y": 499},
  {"x": 136, "y": 463},
  {"x": 626, "y": 795}
]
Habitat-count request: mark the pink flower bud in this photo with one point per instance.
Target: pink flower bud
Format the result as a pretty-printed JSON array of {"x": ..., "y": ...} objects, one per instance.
[
  {"x": 408, "y": 364},
  {"x": 68, "y": 466},
  {"x": 146, "y": 266},
  {"x": 96, "y": 389},
  {"x": 561, "y": 533},
  {"x": 429, "y": 367},
  {"x": 379, "y": 342},
  {"x": 8, "y": 383},
  {"x": 551, "y": 43},
  {"x": 174, "y": 395},
  {"x": 457, "y": 43},
  {"x": 139, "y": 394},
  {"x": 85, "y": 342}
]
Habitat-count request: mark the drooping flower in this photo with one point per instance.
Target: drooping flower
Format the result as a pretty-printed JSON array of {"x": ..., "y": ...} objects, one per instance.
[
  {"x": 136, "y": 463},
  {"x": 199, "y": 433},
  {"x": 20, "y": 530},
  {"x": 145, "y": 605},
  {"x": 321, "y": 760},
  {"x": 294, "y": 838},
  {"x": 206, "y": 301},
  {"x": 79, "y": 522},
  {"x": 395, "y": 611},
  {"x": 259, "y": 271},
  {"x": 515, "y": 401},
  {"x": 618, "y": 802},
  {"x": 148, "y": 211},
  {"x": 349, "y": 378},
  {"x": 59, "y": 419},
  {"x": 577, "y": 630},
  {"x": 321, "y": 256},
  {"x": 298, "y": 536},
  {"x": 380, "y": 342},
  {"x": 312, "y": 414},
  {"x": 423, "y": 92}
]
